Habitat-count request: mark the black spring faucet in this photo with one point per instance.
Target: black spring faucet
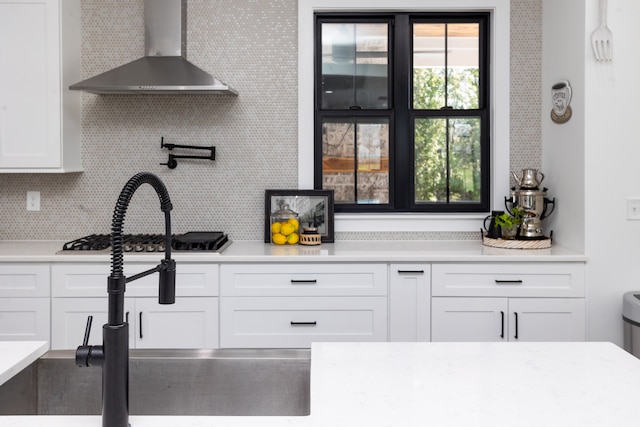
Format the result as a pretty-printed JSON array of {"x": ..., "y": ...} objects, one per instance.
[{"x": 113, "y": 354}]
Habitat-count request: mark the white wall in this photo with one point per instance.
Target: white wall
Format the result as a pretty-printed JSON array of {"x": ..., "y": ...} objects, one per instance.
[
  {"x": 563, "y": 144},
  {"x": 612, "y": 173},
  {"x": 593, "y": 159}
]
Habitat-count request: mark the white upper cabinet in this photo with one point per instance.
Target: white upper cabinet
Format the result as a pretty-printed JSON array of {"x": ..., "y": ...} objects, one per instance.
[{"x": 39, "y": 57}]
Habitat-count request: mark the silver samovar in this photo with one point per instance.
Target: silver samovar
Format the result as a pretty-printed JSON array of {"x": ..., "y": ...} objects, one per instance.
[{"x": 532, "y": 202}]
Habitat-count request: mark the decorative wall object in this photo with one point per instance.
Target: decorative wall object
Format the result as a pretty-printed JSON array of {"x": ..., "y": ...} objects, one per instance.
[
  {"x": 602, "y": 37},
  {"x": 561, "y": 98}
]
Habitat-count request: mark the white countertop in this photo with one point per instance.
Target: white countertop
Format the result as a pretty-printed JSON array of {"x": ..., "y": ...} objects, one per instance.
[
  {"x": 15, "y": 356},
  {"x": 444, "y": 384},
  {"x": 347, "y": 251}
]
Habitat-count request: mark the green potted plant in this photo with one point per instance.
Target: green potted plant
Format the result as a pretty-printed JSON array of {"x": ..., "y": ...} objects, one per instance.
[{"x": 510, "y": 223}]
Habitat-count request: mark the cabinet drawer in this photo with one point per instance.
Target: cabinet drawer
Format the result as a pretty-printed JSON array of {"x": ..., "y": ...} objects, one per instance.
[
  {"x": 89, "y": 280},
  {"x": 509, "y": 279},
  {"x": 303, "y": 279},
  {"x": 24, "y": 280},
  {"x": 296, "y": 322}
]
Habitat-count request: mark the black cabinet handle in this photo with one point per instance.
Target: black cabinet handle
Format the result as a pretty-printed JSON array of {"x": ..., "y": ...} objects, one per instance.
[
  {"x": 410, "y": 271},
  {"x": 314, "y": 323},
  {"x": 126, "y": 317},
  {"x": 516, "y": 315},
  {"x": 140, "y": 325},
  {"x": 505, "y": 282},
  {"x": 502, "y": 327},
  {"x": 296, "y": 281}
]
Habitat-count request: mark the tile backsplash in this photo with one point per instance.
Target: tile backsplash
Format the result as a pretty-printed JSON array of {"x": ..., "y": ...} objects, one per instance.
[{"x": 252, "y": 45}]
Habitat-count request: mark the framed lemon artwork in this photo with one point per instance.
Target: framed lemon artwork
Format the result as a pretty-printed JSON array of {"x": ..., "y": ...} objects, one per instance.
[{"x": 311, "y": 209}]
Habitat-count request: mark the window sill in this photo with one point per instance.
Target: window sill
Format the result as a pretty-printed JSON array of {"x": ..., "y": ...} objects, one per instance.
[{"x": 400, "y": 222}]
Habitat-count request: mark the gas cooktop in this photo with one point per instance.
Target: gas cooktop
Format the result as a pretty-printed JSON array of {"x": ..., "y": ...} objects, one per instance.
[{"x": 195, "y": 241}]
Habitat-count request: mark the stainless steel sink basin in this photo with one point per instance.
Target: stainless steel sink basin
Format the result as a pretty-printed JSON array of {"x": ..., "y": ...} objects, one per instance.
[{"x": 168, "y": 382}]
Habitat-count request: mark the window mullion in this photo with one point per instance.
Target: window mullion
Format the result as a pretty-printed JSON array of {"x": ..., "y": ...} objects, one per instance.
[
  {"x": 402, "y": 145},
  {"x": 356, "y": 159}
]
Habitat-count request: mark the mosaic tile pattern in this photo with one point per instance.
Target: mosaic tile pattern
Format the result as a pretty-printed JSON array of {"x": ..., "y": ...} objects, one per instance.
[
  {"x": 526, "y": 85},
  {"x": 252, "y": 45}
]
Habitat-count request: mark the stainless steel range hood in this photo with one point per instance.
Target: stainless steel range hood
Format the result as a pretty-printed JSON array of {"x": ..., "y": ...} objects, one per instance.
[{"x": 163, "y": 69}]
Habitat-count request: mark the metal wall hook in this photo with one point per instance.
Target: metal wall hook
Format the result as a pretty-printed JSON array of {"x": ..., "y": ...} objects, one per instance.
[{"x": 172, "y": 163}]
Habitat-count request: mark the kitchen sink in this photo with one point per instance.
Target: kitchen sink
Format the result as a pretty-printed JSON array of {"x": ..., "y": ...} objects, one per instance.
[{"x": 169, "y": 382}]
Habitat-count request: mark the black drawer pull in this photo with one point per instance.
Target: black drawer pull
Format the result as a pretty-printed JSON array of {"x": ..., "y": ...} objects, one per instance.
[
  {"x": 314, "y": 323},
  {"x": 410, "y": 271},
  {"x": 294, "y": 281},
  {"x": 513, "y": 282}
]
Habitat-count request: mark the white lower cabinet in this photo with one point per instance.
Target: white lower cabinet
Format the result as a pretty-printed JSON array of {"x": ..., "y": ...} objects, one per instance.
[
  {"x": 508, "y": 302},
  {"x": 69, "y": 318},
  {"x": 275, "y": 305},
  {"x": 291, "y": 305},
  {"x": 508, "y": 319},
  {"x": 188, "y": 323},
  {"x": 80, "y": 290},
  {"x": 25, "y": 304},
  {"x": 409, "y": 302}
]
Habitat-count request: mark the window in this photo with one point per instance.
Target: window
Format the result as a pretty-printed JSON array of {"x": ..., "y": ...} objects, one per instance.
[
  {"x": 499, "y": 93},
  {"x": 402, "y": 111}
]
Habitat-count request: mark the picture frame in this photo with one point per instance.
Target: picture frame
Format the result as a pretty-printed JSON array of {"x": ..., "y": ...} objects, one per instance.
[{"x": 312, "y": 206}]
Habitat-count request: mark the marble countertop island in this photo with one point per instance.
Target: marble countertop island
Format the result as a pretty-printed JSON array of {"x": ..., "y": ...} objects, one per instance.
[
  {"x": 15, "y": 356},
  {"x": 443, "y": 384}
]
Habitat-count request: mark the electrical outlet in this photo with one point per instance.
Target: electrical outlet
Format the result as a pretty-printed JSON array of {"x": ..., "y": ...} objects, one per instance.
[
  {"x": 633, "y": 208},
  {"x": 33, "y": 200}
]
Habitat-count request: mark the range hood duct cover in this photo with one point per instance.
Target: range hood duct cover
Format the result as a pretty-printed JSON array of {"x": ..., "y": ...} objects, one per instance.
[{"x": 163, "y": 69}]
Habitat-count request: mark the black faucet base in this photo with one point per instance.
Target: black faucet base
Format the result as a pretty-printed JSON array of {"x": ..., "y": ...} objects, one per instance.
[{"x": 115, "y": 385}]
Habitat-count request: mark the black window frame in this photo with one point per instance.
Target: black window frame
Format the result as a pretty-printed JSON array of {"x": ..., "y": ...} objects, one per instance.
[{"x": 401, "y": 113}]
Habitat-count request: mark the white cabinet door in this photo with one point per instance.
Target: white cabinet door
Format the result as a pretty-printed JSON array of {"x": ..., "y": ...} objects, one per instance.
[
  {"x": 410, "y": 302},
  {"x": 69, "y": 318},
  {"x": 469, "y": 319},
  {"x": 39, "y": 117},
  {"x": 546, "y": 319},
  {"x": 24, "y": 319},
  {"x": 189, "y": 323},
  {"x": 508, "y": 319}
]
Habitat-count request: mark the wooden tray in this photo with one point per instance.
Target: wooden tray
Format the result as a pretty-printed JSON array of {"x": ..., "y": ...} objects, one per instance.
[{"x": 516, "y": 244}]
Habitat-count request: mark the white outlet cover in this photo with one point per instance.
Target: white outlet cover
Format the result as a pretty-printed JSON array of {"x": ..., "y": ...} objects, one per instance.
[
  {"x": 633, "y": 208},
  {"x": 33, "y": 200}
]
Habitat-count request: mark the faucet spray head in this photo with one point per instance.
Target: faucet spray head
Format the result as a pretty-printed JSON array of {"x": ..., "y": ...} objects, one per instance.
[{"x": 167, "y": 282}]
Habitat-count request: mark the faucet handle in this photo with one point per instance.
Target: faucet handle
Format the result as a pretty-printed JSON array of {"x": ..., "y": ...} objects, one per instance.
[
  {"x": 85, "y": 353},
  {"x": 87, "y": 331}
]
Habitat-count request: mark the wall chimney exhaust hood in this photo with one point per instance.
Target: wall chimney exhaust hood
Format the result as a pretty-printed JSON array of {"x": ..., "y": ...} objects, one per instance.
[{"x": 163, "y": 69}]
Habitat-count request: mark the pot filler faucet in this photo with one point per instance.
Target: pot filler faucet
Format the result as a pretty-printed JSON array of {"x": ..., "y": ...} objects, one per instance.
[{"x": 113, "y": 354}]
